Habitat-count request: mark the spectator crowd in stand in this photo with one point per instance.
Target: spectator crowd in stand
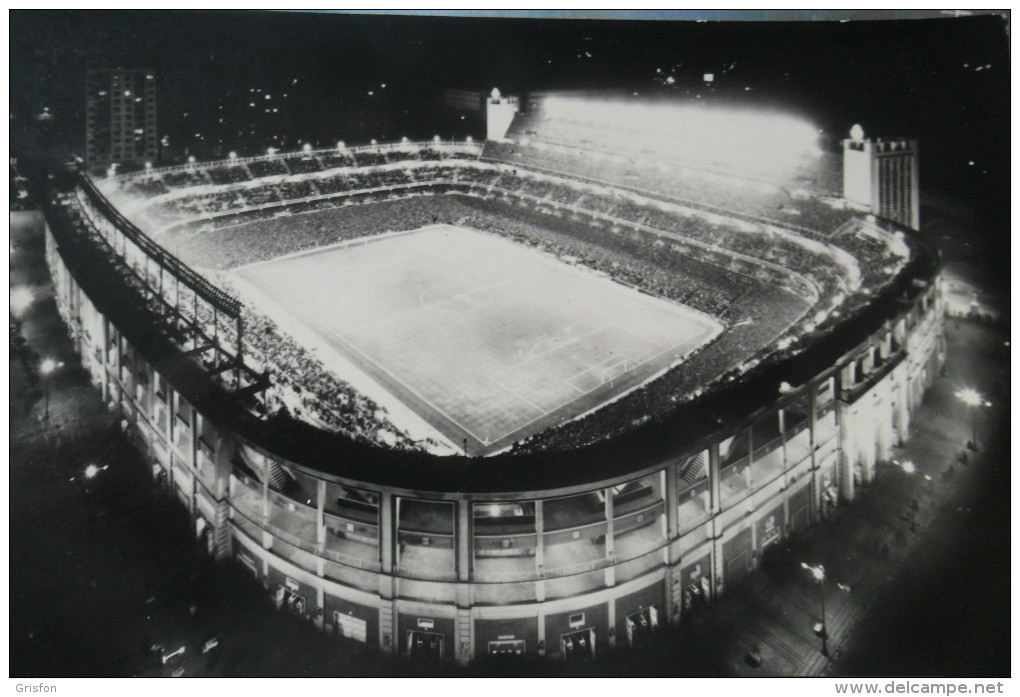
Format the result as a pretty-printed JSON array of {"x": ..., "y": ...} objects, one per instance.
[{"x": 739, "y": 270}]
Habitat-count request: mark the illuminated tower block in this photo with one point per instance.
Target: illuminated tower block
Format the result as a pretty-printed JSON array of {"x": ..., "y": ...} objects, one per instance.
[
  {"x": 881, "y": 177},
  {"x": 120, "y": 117},
  {"x": 499, "y": 112}
]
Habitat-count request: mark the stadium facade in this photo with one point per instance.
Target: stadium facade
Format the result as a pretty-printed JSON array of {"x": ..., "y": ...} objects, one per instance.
[{"x": 555, "y": 551}]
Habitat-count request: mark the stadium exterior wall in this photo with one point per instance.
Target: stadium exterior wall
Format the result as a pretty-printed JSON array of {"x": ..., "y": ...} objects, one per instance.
[{"x": 561, "y": 571}]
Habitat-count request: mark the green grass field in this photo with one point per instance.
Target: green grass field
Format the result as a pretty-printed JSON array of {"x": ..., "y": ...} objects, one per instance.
[{"x": 485, "y": 339}]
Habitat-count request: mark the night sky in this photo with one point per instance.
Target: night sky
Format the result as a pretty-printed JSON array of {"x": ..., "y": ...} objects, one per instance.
[{"x": 944, "y": 81}]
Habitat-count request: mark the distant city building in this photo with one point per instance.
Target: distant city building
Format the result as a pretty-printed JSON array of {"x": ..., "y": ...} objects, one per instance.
[
  {"x": 495, "y": 108},
  {"x": 471, "y": 101},
  {"x": 120, "y": 118},
  {"x": 881, "y": 176},
  {"x": 499, "y": 113}
]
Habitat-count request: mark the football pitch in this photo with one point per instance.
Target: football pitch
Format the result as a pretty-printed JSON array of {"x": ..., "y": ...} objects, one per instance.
[{"x": 485, "y": 339}]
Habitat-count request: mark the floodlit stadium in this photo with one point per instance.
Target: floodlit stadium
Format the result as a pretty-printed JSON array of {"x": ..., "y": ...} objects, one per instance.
[{"x": 535, "y": 395}]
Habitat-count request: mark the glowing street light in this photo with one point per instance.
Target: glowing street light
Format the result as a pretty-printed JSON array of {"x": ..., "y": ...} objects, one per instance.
[
  {"x": 46, "y": 367},
  {"x": 21, "y": 300},
  {"x": 972, "y": 398},
  {"x": 818, "y": 574}
]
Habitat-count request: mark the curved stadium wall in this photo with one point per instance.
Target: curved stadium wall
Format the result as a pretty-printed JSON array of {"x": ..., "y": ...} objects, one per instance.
[{"x": 558, "y": 552}]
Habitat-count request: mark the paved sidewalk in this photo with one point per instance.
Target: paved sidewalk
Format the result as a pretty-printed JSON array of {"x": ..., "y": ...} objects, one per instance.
[{"x": 866, "y": 547}]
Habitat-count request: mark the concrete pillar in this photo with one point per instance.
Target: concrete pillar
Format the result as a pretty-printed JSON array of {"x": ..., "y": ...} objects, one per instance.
[
  {"x": 320, "y": 515},
  {"x": 903, "y": 405},
  {"x": 610, "y": 549},
  {"x": 781, "y": 415},
  {"x": 847, "y": 451},
  {"x": 672, "y": 502},
  {"x": 884, "y": 430},
  {"x": 539, "y": 538},
  {"x": 463, "y": 541},
  {"x": 320, "y": 607},
  {"x": 192, "y": 439},
  {"x": 611, "y": 621},
  {"x": 387, "y": 626},
  {"x": 749, "y": 468},
  {"x": 718, "y": 570},
  {"x": 812, "y": 418},
  {"x": 265, "y": 498},
  {"x": 816, "y": 493},
  {"x": 386, "y": 556},
  {"x": 105, "y": 360},
  {"x": 541, "y": 630},
  {"x": 674, "y": 594},
  {"x": 714, "y": 481}
]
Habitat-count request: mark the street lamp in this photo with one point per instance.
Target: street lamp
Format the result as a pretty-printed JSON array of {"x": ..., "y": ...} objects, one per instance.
[
  {"x": 46, "y": 367},
  {"x": 818, "y": 573},
  {"x": 972, "y": 398},
  {"x": 21, "y": 299},
  {"x": 910, "y": 468}
]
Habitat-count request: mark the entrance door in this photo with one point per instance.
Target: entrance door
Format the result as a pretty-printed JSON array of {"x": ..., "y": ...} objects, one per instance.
[
  {"x": 425, "y": 646},
  {"x": 799, "y": 519},
  {"x": 578, "y": 646},
  {"x": 641, "y": 624},
  {"x": 287, "y": 599},
  {"x": 351, "y": 627},
  {"x": 736, "y": 568},
  {"x": 506, "y": 647},
  {"x": 696, "y": 594}
]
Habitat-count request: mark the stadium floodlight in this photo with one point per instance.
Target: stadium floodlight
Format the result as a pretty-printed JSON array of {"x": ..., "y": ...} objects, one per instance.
[{"x": 769, "y": 144}]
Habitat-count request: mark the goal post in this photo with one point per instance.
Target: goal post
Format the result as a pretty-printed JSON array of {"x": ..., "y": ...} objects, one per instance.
[{"x": 614, "y": 369}]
